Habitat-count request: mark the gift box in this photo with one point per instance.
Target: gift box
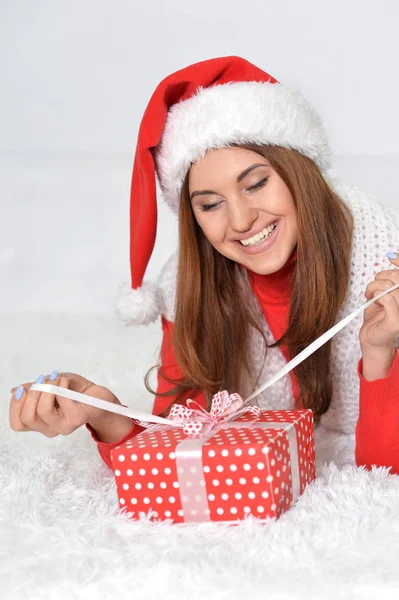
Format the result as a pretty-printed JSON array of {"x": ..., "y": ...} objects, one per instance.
[{"x": 243, "y": 467}]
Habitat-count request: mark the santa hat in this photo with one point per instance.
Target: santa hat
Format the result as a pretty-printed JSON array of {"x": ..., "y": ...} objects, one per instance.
[{"x": 210, "y": 104}]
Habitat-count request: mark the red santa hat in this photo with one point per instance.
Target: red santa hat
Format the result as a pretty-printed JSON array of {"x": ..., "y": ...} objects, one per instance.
[{"x": 210, "y": 104}]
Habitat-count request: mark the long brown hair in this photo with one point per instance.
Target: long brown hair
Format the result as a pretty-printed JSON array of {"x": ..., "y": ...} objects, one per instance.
[{"x": 213, "y": 318}]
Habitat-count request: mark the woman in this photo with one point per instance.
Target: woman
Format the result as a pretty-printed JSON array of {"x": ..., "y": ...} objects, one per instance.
[{"x": 272, "y": 253}]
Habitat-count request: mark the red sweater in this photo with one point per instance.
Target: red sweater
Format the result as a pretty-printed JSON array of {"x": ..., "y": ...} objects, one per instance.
[{"x": 377, "y": 430}]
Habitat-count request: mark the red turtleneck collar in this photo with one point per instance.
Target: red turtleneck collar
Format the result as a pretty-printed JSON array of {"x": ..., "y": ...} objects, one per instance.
[{"x": 275, "y": 288}]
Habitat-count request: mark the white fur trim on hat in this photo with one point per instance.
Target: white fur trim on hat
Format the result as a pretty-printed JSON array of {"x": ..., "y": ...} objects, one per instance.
[
  {"x": 137, "y": 307},
  {"x": 234, "y": 113}
]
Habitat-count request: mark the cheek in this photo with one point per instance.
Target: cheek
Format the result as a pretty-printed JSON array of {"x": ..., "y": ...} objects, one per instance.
[{"x": 212, "y": 228}]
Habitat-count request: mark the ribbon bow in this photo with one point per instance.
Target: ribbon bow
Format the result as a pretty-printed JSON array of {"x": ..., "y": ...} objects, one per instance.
[{"x": 224, "y": 407}]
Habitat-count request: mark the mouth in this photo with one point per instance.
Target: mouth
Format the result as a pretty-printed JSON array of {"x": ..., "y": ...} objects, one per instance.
[{"x": 261, "y": 241}]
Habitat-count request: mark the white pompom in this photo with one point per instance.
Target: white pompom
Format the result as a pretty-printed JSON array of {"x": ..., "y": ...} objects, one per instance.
[{"x": 137, "y": 307}]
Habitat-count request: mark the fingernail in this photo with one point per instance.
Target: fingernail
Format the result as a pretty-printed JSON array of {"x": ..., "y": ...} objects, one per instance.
[
  {"x": 40, "y": 379},
  {"x": 19, "y": 393},
  {"x": 392, "y": 255},
  {"x": 53, "y": 375}
]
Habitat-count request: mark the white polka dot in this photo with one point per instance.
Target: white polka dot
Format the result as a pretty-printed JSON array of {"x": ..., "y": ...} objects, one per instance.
[
  {"x": 117, "y": 472},
  {"x": 273, "y": 507},
  {"x": 211, "y": 453},
  {"x": 172, "y": 456},
  {"x": 146, "y": 500},
  {"x": 125, "y": 486},
  {"x": 242, "y": 480},
  {"x": 146, "y": 456},
  {"x": 278, "y": 473},
  {"x": 256, "y": 479},
  {"x": 138, "y": 486},
  {"x": 276, "y": 490},
  {"x": 121, "y": 457},
  {"x": 247, "y": 467},
  {"x": 260, "y": 466},
  {"x": 269, "y": 478},
  {"x": 122, "y": 501},
  {"x": 238, "y": 452},
  {"x": 133, "y": 456},
  {"x": 229, "y": 482},
  {"x": 251, "y": 495},
  {"x": 207, "y": 469},
  {"x": 219, "y": 511},
  {"x": 150, "y": 485},
  {"x": 233, "y": 467},
  {"x": 142, "y": 471},
  {"x": 176, "y": 484},
  {"x": 265, "y": 494},
  {"x": 260, "y": 509},
  {"x": 215, "y": 482},
  {"x": 247, "y": 509},
  {"x": 272, "y": 462},
  {"x": 159, "y": 455},
  {"x": 159, "y": 500},
  {"x": 154, "y": 471},
  {"x": 172, "y": 499},
  {"x": 233, "y": 510},
  {"x": 167, "y": 471},
  {"x": 129, "y": 472},
  {"x": 266, "y": 450},
  {"x": 238, "y": 496},
  {"x": 225, "y": 496},
  {"x": 180, "y": 512},
  {"x": 133, "y": 500},
  {"x": 251, "y": 451},
  {"x": 211, "y": 497},
  {"x": 219, "y": 468},
  {"x": 225, "y": 452},
  {"x": 163, "y": 485}
]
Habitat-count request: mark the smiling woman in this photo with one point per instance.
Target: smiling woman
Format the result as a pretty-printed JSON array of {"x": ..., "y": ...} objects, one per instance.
[
  {"x": 271, "y": 253},
  {"x": 213, "y": 316}
]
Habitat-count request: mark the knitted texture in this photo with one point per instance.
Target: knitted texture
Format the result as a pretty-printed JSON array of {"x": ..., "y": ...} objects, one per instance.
[{"x": 376, "y": 231}]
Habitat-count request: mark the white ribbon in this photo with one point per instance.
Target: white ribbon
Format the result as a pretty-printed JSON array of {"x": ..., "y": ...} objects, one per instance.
[{"x": 145, "y": 418}]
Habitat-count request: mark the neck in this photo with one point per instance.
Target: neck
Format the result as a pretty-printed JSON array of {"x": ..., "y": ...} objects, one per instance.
[{"x": 278, "y": 285}]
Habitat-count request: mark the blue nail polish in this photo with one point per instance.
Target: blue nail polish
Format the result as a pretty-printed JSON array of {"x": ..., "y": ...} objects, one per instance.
[
  {"x": 392, "y": 255},
  {"x": 40, "y": 379},
  {"x": 53, "y": 375},
  {"x": 19, "y": 393}
]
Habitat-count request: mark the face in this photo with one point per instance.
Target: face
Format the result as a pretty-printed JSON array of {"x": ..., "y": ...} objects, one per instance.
[{"x": 244, "y": 208}]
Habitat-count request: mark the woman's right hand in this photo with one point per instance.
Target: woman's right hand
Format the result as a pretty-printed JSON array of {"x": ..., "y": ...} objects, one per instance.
[{"x": 54, "y": 415}]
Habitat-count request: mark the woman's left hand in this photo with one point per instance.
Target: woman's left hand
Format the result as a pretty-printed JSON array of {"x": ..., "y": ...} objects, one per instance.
[{"x": 381, "y": 319}]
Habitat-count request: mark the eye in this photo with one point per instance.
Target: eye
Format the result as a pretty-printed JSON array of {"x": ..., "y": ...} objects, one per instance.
[
  {"x": 258, "y": 185},
  {"x": 206, "y": 207}
]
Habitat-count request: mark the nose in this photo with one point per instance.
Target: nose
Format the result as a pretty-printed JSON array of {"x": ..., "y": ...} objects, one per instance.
[{"x": 242, "y": 217}]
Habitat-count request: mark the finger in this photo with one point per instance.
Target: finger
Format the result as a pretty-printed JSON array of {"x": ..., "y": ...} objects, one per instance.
[
  {"x": 64, "y": 419},
  {"x": 29, "y": 416},
  {"x": 16, "y": 408},
  {"x": 48, "y": 409},
  {"x": 71, "y": 410},
  {"x": 391, "y": 307},
  {"x": 393, "y": 257},
  {"x": 380, "y": 286},
  {"x": 390, "y": 275}
]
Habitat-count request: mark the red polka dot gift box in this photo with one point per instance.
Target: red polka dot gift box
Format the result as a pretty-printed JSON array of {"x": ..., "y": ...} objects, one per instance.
[{"x": 257, "y": 464}]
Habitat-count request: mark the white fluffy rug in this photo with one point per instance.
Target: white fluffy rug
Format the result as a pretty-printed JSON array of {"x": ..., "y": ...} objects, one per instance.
[{"x": 62, "y": 535}]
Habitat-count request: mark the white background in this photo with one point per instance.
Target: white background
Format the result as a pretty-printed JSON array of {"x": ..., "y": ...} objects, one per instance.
[{"x": 76, "y": 77}]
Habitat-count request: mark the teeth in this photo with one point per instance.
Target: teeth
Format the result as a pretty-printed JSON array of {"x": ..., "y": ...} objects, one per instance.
[{"x": 266, "y": 232}]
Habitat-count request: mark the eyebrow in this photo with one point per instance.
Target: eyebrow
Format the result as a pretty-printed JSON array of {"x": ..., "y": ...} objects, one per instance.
[{"x": 239, "y": 178}]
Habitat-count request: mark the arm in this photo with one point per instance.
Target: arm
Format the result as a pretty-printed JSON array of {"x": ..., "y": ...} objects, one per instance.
[
  {"x": 377, "y": 429},
  {"x": 122, "y": 428}
]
